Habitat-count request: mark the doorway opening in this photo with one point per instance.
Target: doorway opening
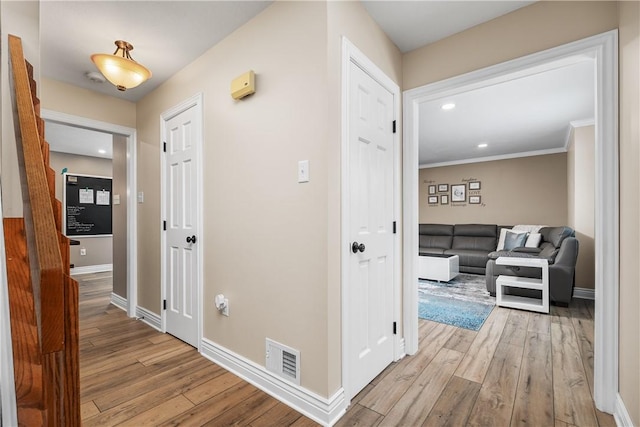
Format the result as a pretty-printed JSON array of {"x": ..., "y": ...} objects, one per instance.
[
  {"x": 122, "y": 248},
  {"x": 603, "y": 49}
]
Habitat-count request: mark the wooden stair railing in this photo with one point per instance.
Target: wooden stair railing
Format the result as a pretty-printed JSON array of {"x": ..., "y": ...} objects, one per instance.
[{"x": 42, "y": 296}]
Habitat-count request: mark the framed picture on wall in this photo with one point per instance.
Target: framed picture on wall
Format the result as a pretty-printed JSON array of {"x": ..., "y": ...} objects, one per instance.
[
  {"x": 444, "y": 199},
  {"x": 433, "y": 200},
  {"x": 458, "y": 193},
  {"x": 432, "y": 189},
  {"x": 474, "y": 200},
  {"x": 474, "y": 185},
  {"x": 443, "y": 188}
]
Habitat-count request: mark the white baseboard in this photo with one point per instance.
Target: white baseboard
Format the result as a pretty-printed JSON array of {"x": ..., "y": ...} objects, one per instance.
[
  {"x": 150, "y": 318},
  {"x": 88, "y": 269},
  {"x": 620, "y": 413},
  {"x": 584, "y": 293},
  {"x": 400, "y": 354},
  {"x": 322, "y": 410},
  {"x": 118, "y": 301}
]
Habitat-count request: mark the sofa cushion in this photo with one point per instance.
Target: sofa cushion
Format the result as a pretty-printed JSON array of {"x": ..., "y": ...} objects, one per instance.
[
  {"x": 486, "y": 244},
  {"x": 430, "y": 251},
  {"x": 555, "y": 235},
  {"x": 436, "y": 229},
  {"x": 469, "y": 257},
  {"x": 442, "y": 242},
  {"x": 546, "y": 251},
  {"x": 435, "y": 236},
  {"x": 476, "y": 230}
]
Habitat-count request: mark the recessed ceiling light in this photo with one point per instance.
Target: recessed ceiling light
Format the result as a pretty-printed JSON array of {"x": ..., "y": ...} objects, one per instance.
[
  {"x": 448, "y": 106},
  {"x": 483, "y": 145},
  {"x": 101, "y": 151}
]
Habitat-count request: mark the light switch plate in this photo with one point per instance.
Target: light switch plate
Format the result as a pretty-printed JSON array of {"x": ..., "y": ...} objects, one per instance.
[
  {"x": 140, "y": 197},
  {"x": 116, "y": 199},
  {"x": 303, "y": 171}
]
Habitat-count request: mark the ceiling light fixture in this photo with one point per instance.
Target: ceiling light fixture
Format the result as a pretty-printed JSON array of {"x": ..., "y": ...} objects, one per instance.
[
  {"x": 483, "y": 145},
  {"x": 95, "y": 77},
  {"x": 449, "y": 106},
  {"x": 101, "y": 151},
  {"x": 119, "y": 68}
]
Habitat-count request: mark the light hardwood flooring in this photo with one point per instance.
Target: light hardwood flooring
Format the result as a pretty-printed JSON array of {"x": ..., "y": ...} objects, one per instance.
[
  {"x": 133, "y": 375},
  {"x": 520, "y": 369}
]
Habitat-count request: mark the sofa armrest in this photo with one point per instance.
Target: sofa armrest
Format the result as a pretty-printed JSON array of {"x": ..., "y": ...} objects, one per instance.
[{"x": 568, "y": 253}]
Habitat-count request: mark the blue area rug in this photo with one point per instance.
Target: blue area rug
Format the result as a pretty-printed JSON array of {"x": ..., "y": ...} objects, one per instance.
[{"x": 463, "y": 302}]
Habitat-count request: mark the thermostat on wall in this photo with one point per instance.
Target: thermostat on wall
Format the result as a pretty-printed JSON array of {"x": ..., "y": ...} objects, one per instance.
[{"x": 243, "y": 85}]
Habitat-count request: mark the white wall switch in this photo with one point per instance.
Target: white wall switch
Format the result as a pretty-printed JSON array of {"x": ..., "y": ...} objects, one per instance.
[
  {"x": 303, "y": 171},
  {"x": 116, "y": 199},
  {"x": 140, "y": 196},
  {"x": 83, "y": 251}
]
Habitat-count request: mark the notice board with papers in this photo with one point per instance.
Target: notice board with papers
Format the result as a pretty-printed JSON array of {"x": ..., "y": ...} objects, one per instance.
[{"x": 87, "y": 202}]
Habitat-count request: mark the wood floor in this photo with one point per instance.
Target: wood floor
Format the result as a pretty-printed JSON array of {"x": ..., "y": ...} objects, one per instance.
[
  {"x": 520, "y": 369},
  {"x": 133, "y": 375}
]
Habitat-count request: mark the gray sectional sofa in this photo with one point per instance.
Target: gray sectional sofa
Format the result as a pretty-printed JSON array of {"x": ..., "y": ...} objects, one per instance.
[
  {"x": 476, "y": 244},
  {"x": 471, "y": 242},
  {"x": 560, "y": 247}
]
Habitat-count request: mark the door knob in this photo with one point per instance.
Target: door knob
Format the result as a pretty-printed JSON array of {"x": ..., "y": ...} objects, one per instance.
[
  {"x": 355, "y": 247},
  {"x": 191, "y": 239}
]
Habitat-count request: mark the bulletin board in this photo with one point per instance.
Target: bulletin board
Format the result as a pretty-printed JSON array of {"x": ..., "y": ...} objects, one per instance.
[{"x": 87, "y": 202}]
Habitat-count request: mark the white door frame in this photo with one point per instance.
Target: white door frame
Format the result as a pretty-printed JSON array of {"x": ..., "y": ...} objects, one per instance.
[
  {"x": 603, "y": 49},
  {"x": 196, "y": 102},
  {"x": 350, "y": 53},
  {"x": 132, "y": 208}
]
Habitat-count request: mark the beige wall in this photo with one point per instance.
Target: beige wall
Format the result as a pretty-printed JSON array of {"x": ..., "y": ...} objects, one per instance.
[
  {"x": 64, "y": 98},
  {"x": 581, "y": 200},
  {"x": 629, "y": 351},
  {"x": 119, "y": 216},
  {"x": 257, "y": 216},
  {"x": 527, "y": 190},
  {"x": 541, "y": 26},
  {"x": 22, "y": 19},
  {"x": 99, "y": 249}
]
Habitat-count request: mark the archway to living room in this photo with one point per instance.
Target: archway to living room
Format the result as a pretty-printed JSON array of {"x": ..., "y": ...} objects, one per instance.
[{"x": 484, "y": 185}]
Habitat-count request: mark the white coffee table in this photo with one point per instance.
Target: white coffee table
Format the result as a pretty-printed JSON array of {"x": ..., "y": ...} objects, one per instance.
[
  {"x": 438, "y": 267},
  {"x": 524, "y": 303}
]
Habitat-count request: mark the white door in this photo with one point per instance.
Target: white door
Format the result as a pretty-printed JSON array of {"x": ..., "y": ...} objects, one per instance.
[
  {"x": 182, "y": 235},
  {"x": 370, "y": 222}
]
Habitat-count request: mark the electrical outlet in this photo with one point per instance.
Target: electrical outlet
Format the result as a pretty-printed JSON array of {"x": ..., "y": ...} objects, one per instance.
[
  {"x": 83, "y": 251},
  {"x": 225, "y": 310}
]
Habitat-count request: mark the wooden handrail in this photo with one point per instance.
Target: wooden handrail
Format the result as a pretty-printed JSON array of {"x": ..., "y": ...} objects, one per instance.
[
  {"x": 43, "y": 297},
  {"x": 47, "y": 272}
]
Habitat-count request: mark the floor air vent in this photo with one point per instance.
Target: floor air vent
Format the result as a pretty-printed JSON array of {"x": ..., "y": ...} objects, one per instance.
[{"x": 283, "y": 361}]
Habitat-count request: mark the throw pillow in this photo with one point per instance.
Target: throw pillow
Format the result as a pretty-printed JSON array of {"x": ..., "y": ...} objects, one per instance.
[
  {"x": 514, "y": 240},
  {"x": 503, "y": 234},
  {"x": 533, "y": 241}
]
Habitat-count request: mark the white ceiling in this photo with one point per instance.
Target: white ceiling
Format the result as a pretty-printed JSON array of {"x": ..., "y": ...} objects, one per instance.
[
  {"x": 529, "y": 114},
  {"x": 168, "y": 35},
  {"x": 75, "y": 140},
  {"x": 413, "y": 24}
]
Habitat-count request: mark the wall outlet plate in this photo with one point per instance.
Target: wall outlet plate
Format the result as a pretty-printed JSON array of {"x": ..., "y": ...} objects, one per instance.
[{"x": 225, "y": 310}]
